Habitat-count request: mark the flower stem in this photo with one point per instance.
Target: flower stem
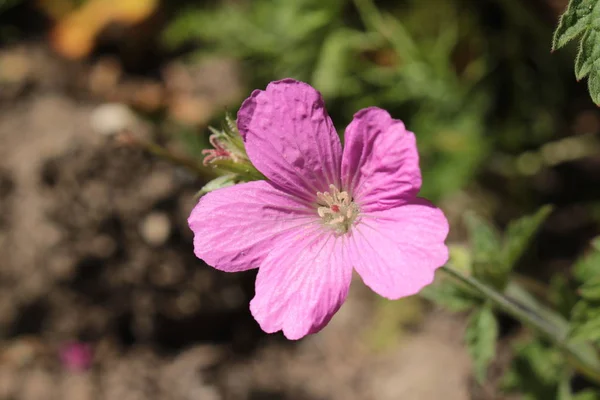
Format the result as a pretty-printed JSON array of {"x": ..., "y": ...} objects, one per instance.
[
  {"x": 520, "y": 305},
  {"x": 160, "y": 152}
]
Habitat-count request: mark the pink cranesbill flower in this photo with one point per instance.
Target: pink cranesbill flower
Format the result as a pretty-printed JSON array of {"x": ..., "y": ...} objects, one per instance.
[{"x": 323, "y": 212}]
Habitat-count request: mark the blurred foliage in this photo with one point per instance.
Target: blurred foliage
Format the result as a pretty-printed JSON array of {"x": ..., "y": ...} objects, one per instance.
[
  {"x": 481, "y": 337},
  {"x": 390, "y": 320},
  {"x": 538, "y": 372},
  {"x": 588, "y": 266},
  {"x": 495, "y": 257},
  {"x": 4, "y": 4},
  {"x": 582, "y": 19},
  {"x": 277, "y": 39},
  {"x": 441, "y": 66},
  {"x": 491, "y": 259},
  {"x": 585, "y": 315}
]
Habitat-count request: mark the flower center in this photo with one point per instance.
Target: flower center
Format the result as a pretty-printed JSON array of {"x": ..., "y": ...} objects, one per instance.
[{"x": 336, "y": 209}]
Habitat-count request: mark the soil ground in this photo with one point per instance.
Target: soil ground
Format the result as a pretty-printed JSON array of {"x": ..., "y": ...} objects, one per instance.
[{"x": 95, "y": 249}]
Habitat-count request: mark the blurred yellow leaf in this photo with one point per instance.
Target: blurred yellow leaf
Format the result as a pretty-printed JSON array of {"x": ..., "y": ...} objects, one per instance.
[{"x": 76, "y": 28}]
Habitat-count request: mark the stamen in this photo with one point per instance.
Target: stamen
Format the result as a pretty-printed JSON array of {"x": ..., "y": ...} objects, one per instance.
[{"x": 336, "y": 209}]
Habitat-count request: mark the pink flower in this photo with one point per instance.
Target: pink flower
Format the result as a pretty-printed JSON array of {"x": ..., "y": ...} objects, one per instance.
[{"x": 323, "y": 212}]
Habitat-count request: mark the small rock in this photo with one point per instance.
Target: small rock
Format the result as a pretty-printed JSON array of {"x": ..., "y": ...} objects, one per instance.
[
  {"x": 112, "y": 118},
  {"x": 156, "y": 228}
]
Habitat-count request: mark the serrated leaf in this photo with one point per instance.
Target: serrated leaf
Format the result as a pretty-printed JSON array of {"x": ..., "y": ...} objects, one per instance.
[
  {"x": 520, "y": 232},
  {"x": 594, "y": 82},
  {"x": 588, "y": 52},
  {"x": 481, "y": 337},
  {"x": 573, "y": 22},
  {"x": 583, "y": 17},
  {"x": 591, "y": 289}
]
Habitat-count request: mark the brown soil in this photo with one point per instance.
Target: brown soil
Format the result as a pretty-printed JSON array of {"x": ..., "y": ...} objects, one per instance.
[{"x": 95, "y": 248}]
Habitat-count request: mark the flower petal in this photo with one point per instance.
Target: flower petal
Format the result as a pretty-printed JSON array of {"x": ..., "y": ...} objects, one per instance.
[
  {"x": 397, "y": 251},
  {"x": 290, "y": 138},
  {"x": 302, "y": 284},
  {"x": 235, "y": 227},
  {"x": 380, "y": 164}
]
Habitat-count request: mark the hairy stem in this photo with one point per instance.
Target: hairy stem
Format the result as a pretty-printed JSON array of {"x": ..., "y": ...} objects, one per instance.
[{"x": 175, "y": 159}]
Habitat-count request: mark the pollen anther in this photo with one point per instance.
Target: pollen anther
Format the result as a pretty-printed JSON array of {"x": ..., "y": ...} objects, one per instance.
[{"x": 336, "y": 209}]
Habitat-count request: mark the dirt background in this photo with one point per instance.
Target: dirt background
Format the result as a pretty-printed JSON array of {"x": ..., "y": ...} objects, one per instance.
[{"x": 95, "y": 251}]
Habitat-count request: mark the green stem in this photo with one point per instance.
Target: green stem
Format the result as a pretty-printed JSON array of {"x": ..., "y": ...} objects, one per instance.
[
  {"x": 160, "y": 152},
  {"x": 523, "y": 307}
]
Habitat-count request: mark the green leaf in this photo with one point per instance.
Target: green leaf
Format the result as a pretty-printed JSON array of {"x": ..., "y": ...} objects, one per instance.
[
  {"x": 481, "y": 336},
  {"x": 493, "y": 258},
  {"x": 594, "y": 83},
  {"x": 587, "y": 394},
  {"x": 588, "y": 52},
  {"x": 484, "y": 237},
  {"x": 591, "y": 289},
  {"x": 486, "y": 247},
  {"x": 561, "y": 295},
  {"x": 585, "y": 322},
  {"x": 536, "y": 370},
  {"x": 583, "y": 17},
  {"x": 520, "y": 232},
  {"x": 451, "y": 296},
  {"x": 588, "y": 266},
  {"x": 573, "y": 22},
  {"x": 564, "y": 388},
  {"x": 218, "y": 183}
]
